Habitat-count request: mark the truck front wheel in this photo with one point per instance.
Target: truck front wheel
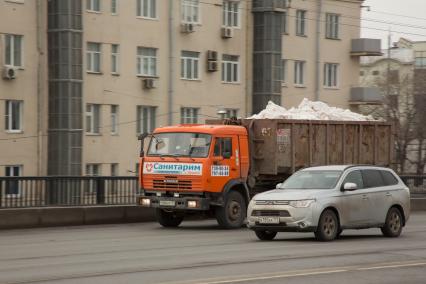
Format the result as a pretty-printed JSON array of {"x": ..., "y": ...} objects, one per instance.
[
  {"x": 232, "y": 215},
  {"x": 168, "y": 219}
]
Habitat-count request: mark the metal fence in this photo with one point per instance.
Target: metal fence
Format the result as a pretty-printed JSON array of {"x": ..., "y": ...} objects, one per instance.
[
  {"x": 416, "y": 183},
  {"x": 20, "y": 192}
]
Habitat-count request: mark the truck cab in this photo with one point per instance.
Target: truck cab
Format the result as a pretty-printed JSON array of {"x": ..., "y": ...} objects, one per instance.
[{"x": 190, "y": 168}]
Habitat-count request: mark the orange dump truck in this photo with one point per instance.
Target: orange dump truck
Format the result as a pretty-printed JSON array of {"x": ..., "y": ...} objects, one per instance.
[{"x": 215, "y": 169}]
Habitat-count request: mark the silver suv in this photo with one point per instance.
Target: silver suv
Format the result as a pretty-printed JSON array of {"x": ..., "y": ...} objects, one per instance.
[{"x": 326, "y": 200}]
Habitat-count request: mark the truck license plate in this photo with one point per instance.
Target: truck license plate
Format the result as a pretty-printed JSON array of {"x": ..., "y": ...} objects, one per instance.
[
  {"x": 167, "y": 203},
  {"x": 269, "y": 220}
]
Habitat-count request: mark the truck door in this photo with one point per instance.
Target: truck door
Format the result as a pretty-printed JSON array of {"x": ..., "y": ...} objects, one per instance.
[{"x": 226, "y": 164}]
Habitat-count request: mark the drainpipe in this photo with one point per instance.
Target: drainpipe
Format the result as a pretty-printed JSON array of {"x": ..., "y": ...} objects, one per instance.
[
  {"x": 171, "y": 63},
  {"x": 318, "y": 51},
  {"x": 40, "y": 112}
]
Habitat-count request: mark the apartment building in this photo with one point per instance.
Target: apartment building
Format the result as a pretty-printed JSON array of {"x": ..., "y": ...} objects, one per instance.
[{"x": 88, "y": 76}]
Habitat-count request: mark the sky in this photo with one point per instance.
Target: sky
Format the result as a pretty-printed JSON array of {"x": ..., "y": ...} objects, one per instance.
[{"x": 405, "y": 18}]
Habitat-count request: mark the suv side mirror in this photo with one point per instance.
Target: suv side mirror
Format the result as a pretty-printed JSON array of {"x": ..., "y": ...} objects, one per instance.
[{"x": 349, "y": 186}]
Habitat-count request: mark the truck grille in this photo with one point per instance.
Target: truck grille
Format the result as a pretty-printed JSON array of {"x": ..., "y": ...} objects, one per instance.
[
  {"x": 172, "y": 184},
  {"x": 272, "y": 202},
  {"x": 280, "y": 213}
]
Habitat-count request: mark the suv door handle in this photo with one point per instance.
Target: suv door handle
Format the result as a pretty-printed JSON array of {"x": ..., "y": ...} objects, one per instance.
[
  {"x": 364, "y": 197},
  {"x": 388, "y": 194}
]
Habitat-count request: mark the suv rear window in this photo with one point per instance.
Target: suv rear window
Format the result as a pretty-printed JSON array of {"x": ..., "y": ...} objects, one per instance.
[
  {"x": 389, "y": 178},
  {"x": 372, "y": 178}
]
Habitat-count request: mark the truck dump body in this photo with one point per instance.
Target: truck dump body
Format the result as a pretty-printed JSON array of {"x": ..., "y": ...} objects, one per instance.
[{"x": 279, "y": 147}]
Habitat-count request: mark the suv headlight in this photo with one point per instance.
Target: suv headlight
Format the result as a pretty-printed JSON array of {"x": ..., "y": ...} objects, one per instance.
[{"x": 301, "y": 203}]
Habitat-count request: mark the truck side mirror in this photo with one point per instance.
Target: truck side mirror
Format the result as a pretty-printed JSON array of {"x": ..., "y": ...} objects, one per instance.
[{"x": 141, "y": 137}]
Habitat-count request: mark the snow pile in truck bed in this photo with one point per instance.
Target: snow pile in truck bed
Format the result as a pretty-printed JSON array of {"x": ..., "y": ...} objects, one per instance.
[{"x": 310, "y": 111}]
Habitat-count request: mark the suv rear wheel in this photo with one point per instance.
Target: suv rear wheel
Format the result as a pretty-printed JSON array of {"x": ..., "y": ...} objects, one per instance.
[{"x": 393, "y": 223}]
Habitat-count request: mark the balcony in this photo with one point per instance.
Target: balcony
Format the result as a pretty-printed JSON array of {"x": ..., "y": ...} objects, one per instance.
[
  {"x": 366, "y": 47},
  {"x": 365, "y": 95}
]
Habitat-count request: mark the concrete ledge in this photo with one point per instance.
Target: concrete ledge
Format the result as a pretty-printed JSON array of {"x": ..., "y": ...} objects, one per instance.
[
  {"x": 67, "y": 216},
  {"x": 418, "y": 204}
]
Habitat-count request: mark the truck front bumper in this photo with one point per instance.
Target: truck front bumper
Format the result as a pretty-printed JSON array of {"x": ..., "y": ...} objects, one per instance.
[{"x": 175, "y": 203}]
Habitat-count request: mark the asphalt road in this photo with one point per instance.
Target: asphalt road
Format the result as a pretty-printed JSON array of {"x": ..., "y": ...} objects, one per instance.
[{"x": 198, "y": 252}]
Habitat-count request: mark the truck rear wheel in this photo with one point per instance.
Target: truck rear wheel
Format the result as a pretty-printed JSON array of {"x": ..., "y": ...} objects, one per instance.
[
  {"x": 234, "y": 212},
  {"x": 168, "y": 219}
]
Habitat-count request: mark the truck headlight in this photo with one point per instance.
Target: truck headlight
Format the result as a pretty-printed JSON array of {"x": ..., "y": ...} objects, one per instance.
[
  {"x": 301, "y": 203},
  {"x": 192, "y": 204},
  {"x": 145, "y": 202}
]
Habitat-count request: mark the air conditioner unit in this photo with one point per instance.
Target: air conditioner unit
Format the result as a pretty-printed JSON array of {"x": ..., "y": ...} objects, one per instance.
[
  {"x": 149, "y": 83},
  {"x": 187, "y": 28},
  {"x": 211, "y": 55},
  {"x": 212, "y": 66},
  {"x": 9, "y": 73},
  {"x": 227, "y": 32}
]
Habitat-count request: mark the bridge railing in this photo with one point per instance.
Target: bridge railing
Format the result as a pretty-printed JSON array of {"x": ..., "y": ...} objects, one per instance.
[{"x": 21, "y": 192}]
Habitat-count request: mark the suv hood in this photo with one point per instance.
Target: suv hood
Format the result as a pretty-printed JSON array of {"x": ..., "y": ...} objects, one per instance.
[{"x": 290, "y": 194}]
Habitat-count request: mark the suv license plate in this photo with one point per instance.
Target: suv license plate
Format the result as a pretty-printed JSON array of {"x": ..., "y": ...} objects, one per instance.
[
  {"x": 269, "y": 220},
  {"x": 167, "y": 202}
]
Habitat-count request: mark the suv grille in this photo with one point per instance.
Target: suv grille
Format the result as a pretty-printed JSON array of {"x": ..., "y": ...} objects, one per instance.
[
  {"x": 280, "y": 213},
  {"x": 272, "y": 202}
]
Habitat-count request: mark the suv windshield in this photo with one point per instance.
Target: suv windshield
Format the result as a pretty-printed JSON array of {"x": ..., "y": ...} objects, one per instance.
[
  {"x": 312, "y": 180},
  {"x": 180, "y": 144}
]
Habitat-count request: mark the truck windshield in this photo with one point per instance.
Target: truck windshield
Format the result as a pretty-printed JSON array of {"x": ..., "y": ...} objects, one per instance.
[
  {"x": 180, "y": 144},
  {"x": 312, "y": 180}
]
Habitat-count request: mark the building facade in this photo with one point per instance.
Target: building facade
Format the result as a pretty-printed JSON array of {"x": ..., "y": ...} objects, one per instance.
[{"x": 88, "y": 76}]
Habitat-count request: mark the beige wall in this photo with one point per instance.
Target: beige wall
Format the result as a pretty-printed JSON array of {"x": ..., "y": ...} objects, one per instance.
[
  {"x": 208, "y": 94},
  {"x": 331, "y": 51},
  {"x": 27, "y": 148}
]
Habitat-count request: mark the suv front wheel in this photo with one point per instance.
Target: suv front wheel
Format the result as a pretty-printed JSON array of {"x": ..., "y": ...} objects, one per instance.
[{"x": 328, "y": 226}]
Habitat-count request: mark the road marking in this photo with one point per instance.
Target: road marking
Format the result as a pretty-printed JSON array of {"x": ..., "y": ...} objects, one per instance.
[{"x": 304, "y": 273}]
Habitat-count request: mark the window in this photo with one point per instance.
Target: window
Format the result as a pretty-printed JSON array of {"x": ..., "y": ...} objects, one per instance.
[
  {"x": 283, "y": 71},
  {"x": 332, "y": 26},
  {"x": 147, "y": 61},
  {"x": 229, "y": 112},
  {"x": 115, "y": 56},
  {"x": 145, "y": 119},
  {"x": 189, "y": 65},
  {"x": 284, "y": 24},
  {"x": 372, "y": 178},
  {"x": 230, "y": 67},
  {"x": 147, "y": 8},
  {"x": 114, "y": 169},
  {"x": 13, "y": 50},
  {"x": 188, "y": 115},
  {"x": 420, "y": 59},
  {"x": 93, "y": 170},
  {"x": 299, "y": 72},
  {"x": 114, "y": 119},
  {"x": 354, "y": 177},
  {"x": 222, "y": 146},
  {"x": 389, "y": 178},
  {"x": 330, "y": 74},
  {"x": 190, "y": 11},
  {"x": 361, "y": 73},
  {"x": 93, "y": 54},
  {"x": 375, "y": 72},
  {"x": 114, "y": 7},
  {"x": 231, "y": 13},
  {"x": 92, "y": 118},
  {"x": 93, "y": 5},
  {"x": 12, "y": 186},
  {"x": 13, "y": 119},
  {"x": 301, "y": 22}
]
